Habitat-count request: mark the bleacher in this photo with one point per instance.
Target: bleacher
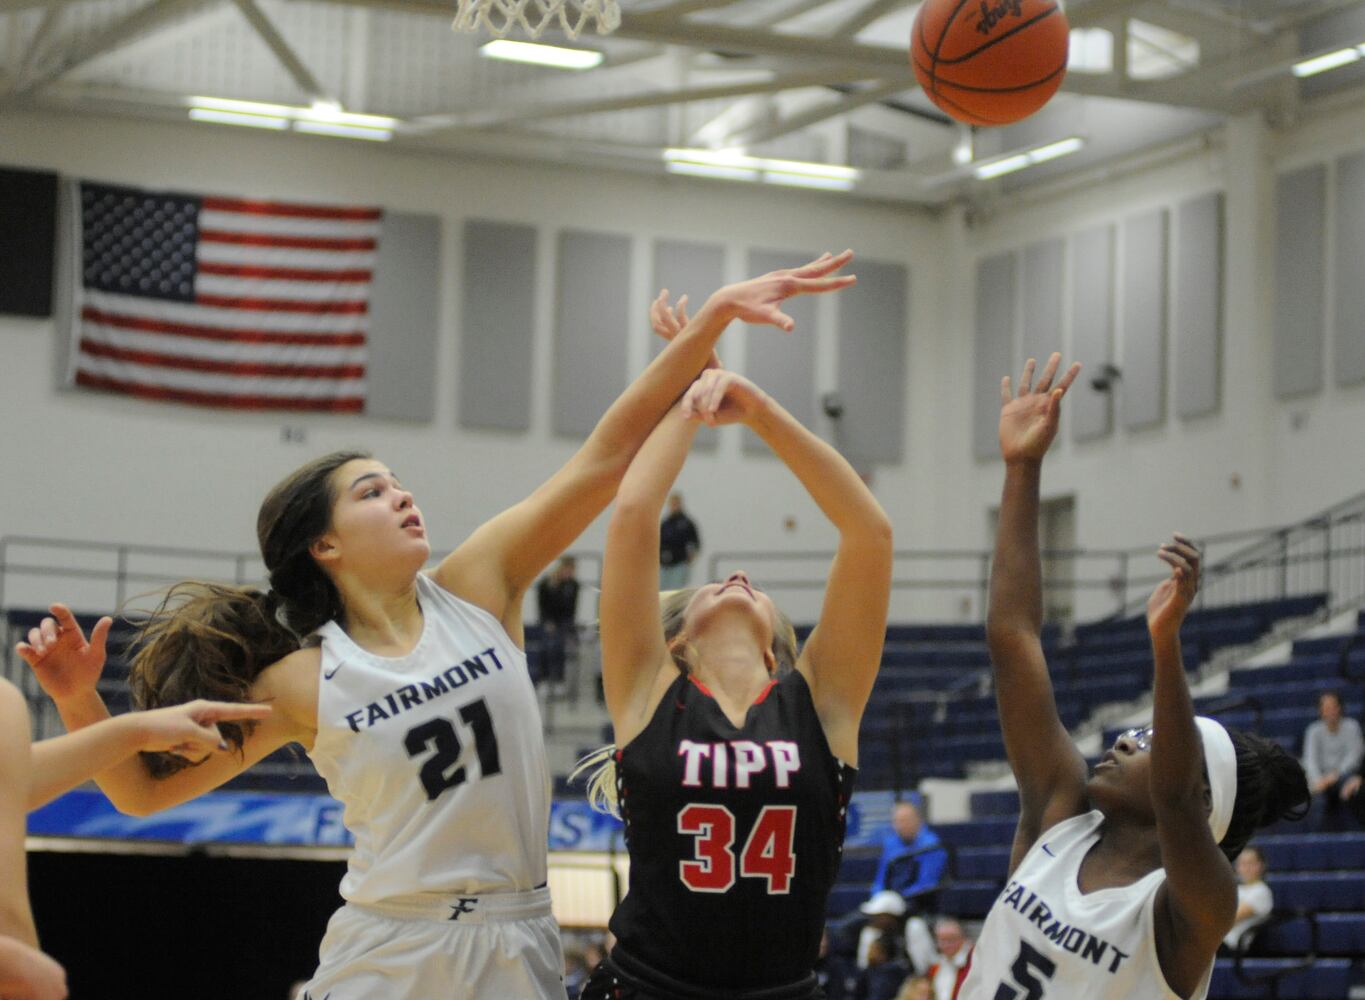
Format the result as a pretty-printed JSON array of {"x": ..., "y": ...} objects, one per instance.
[{"x": 1315, "y": 945}]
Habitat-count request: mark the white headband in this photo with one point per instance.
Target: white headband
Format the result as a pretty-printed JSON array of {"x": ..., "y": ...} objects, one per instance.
[{"x": 1220, "y": 760}]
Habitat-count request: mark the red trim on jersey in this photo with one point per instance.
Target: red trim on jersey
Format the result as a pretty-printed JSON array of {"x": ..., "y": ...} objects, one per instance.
[
  {"x": 700, "y": 686},
  {"x": 764, "y": 693}
]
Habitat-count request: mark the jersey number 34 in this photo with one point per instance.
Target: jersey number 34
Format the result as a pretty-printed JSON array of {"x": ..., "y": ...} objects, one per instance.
[{"x": 767, "y": 850}]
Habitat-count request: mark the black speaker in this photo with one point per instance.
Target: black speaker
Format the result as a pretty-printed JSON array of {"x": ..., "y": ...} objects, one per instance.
[{"x": 28, "y": 241}]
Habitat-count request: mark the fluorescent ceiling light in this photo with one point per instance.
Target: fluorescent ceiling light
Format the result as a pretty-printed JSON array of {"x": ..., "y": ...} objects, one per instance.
[
  {"x": 807, "y": 181},
  {"x": 345, "y": 131},
  {"x": 245, "y": 107},
  {"x": 238, "y": 118},
  {"x": 541, "y": 55},
  {"x": 712, "y": 170},
  {"x": 736, "y": 159},
  {"x": 1323, "y": 63},
  {"x": 1028, "y": 158}
]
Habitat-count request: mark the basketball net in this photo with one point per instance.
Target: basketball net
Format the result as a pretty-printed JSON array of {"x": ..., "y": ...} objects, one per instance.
[{"x": 498, "y": 17}]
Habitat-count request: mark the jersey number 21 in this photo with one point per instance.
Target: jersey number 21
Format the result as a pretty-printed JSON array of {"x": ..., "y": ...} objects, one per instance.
[{"x": 440, "y": 735}]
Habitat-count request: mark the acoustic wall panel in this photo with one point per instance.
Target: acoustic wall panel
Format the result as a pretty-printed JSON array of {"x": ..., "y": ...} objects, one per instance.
[
  {"x": 1041, "y": 287},
  {"x": 1300, "y": 259},
  {"x": 996, "y": 291},
  {"x": 1143, "y": 391},
  {"x": 1199, "y": 306},
  {"x": 592, "y": 328},
  {"x": 872, "y": 353},
  {"x": 497, "y": 325},
  {"x": 1349, "y": 342},
  {"x": 783, "y": 364},
  {"x": 404, "y": 319},
  {"x": 1092, "y": 330}
]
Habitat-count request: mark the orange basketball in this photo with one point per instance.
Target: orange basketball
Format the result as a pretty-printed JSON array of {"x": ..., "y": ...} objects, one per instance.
[{"x": 990, "y": 62}]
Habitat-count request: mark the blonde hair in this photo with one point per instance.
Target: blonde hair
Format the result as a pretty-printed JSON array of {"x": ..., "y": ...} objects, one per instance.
[{"x": 600, "y": 765}]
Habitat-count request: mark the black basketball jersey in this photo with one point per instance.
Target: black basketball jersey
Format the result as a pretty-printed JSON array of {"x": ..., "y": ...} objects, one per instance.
[{"x": 735, "y": 838}]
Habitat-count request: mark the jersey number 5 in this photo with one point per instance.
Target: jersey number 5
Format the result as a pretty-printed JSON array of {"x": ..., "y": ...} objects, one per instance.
[
  {"x": 440, "y": 735},
  {"x": 1029, "y": 961},
  {"x": 767, "y": 852}
]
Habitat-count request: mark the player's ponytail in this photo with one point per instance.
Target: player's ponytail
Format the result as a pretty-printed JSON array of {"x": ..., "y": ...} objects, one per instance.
[
  {"x": 208, "y": 640},
  {"x": 1271, "y": 786}
]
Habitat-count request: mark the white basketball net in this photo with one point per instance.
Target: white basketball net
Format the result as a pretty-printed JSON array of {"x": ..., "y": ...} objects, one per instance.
[{"x": 498, "y": 17}]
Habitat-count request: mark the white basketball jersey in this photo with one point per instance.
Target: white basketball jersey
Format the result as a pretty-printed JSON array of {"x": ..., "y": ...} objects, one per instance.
[
  {"x": 438, "y": 757},
  {"x": 1046, "y": 940}
]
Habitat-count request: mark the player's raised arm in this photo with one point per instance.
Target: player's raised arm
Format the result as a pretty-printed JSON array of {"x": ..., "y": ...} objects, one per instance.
[
  {"x": 1048, "y": 768},
  {"x": 842, "y": 655},
  {"x": 104, "y": 748},
  {"x": 501, "y": 559},
  {"x": 633, "y": 646}
]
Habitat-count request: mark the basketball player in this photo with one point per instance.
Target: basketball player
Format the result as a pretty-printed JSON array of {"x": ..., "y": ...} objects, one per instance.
[
  {"x": 736, "y": 757},
  {"x": 33, "y": 776},
  {"x": 1120, "y": 881},
  {"x": 410, "y": 693}
]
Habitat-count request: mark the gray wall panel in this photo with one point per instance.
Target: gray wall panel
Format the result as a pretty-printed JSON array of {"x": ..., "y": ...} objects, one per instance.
[
  {"x": 695, "y": 270},
  {"x": 497, "y": 325},
  {"x": 404, "y": 316},
  {"x": 591, "y": 328},
  {"x": 996, "y": 290},
  {"x": 1041, "y": 286},
  {"x": 1300, "y": 259},
  {"x": 1143, "y": 389},
  {"x": 872, "y": 350},
  {"x": 1092, "y": 324},
  {"x": 1198, "y": 320},
  {"x": 783, "y": 364},
  {"x": 1349, "y": 344}
]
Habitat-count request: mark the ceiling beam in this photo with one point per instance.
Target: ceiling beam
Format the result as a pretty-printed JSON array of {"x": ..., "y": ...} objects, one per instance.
[
  {"x": 140, "y": 23},
  {"x": 823, "y": 111},
  {"x": 14, "y": 6},
  {"x": 873, "y": 11},
  {"x": 542, "y": 111},
  {"x": 36, "y": 46},
  {"x": 284, "y": 52}
]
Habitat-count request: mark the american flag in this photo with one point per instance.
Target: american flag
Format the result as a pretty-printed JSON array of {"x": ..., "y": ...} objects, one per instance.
[{"x": 224, "y": 301}]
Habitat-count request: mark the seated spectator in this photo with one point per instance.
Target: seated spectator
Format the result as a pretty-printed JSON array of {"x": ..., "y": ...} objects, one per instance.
[
  {"x": 883, "y": 920},
  {"x": 949, "y": 968},
  {"x": 1332, "y": 751},
  {"x": 886, "y": 970},
  {"x": 575, "y": 972},
  {"x": 836, "y": 973},
  {"x": 1254, "y": 899},
  {"x": 916, "y": 988},
  {"x": 912, "y": 860}
]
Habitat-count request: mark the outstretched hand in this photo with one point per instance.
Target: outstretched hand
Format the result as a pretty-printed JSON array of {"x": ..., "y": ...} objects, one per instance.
[
  {"x": 191, "y": 729},
  {"x": 668, "y": 321},
  {"x": 1028, "y": 420},
  {"x": 721, "y": 397},
  {"x": 65, "y": 664},
  {"x": 1173, "y": 596},
  {"x": 758, "y": 300}
]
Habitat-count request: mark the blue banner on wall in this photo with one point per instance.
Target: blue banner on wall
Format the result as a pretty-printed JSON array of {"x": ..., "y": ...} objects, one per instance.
[{"x": 293, "y": 819}]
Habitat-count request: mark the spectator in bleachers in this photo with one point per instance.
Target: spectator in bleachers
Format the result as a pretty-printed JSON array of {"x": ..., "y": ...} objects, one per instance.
[
  {"x": 1254, "y": 898},
  {"x": 883, "y": 915},
  {"x": 834, "y": 972},
  {"x": 575, "y": 972},
  {"x": 949, "y": 967},
  {"x": 885, "y": 972},
  {"x": 679, "y": 542},
  {"x": 557, "y": 602},
  {"x": 1332, "y": 752},
  {"x": 909, "y": 863},
  {"x": 916, "y": 988}
]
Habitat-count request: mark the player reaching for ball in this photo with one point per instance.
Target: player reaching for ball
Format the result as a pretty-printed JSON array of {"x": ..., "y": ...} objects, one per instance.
[
  {"x": 409, "y": 690},
  {"x": 1120, "y": 881},
  {"x": 736, "y": 755}
]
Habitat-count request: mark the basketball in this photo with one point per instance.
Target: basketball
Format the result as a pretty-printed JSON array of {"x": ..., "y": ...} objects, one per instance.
[{"x": 990, "y": 62}]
